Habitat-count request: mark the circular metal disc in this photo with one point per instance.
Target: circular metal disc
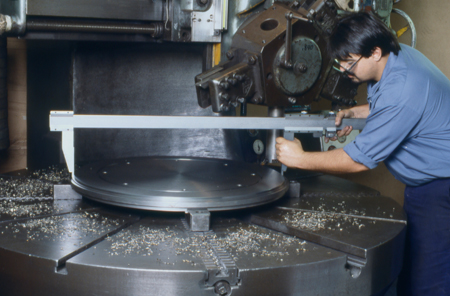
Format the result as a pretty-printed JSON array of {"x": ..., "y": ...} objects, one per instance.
[
  {"x": 305, "y": 52},
  {"x": 179, "y": 184}
]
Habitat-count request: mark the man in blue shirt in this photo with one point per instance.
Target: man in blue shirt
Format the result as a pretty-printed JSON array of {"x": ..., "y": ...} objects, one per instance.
[{"x": 407, "y": 127}]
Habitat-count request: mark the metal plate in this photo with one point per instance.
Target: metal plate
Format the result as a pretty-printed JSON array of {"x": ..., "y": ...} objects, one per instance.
[{"x": 179, "y": 184}]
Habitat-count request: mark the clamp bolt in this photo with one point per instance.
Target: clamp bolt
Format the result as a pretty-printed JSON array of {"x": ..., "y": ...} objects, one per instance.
[
  {"x": 230, "y": 55},
  {"x": 252, "y": 60},
  {"x": 224, "y": 85},
  {"x": 222, "y": 288},
  {"x": 239, "y": 77},
  {"x": 224, "y": 96}
]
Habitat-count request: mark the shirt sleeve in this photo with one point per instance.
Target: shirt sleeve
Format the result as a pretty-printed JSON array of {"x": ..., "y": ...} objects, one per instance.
[{"x": 386, "y": 128}]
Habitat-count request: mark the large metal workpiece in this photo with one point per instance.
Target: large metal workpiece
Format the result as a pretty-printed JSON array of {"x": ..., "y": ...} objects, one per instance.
[{"x": 336, "y": 238}]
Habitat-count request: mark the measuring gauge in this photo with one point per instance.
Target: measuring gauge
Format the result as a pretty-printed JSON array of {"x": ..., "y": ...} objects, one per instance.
[{"x": 258, "y": 147}]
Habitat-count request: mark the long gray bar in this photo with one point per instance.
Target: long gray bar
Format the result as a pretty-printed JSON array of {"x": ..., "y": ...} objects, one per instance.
[{"x": 66, "y": 120}]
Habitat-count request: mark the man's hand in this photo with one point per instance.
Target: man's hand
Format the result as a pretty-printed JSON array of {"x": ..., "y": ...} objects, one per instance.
[
  {"x": 347, "y": 113},
  {"x": 288, "y": 152}
]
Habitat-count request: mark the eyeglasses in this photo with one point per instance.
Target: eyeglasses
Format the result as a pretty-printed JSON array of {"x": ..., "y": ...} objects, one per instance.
[{"x": 337, "y": 66}]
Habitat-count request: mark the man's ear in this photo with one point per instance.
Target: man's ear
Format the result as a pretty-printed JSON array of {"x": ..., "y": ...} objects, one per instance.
[{"x": 377, "y": 54}]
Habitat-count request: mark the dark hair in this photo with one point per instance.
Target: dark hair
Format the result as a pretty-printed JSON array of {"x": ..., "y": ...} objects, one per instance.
[{"x": 360, "y": 33}]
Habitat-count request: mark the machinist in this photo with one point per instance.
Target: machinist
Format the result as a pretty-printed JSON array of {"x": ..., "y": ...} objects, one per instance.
[{"x": 407, "y": 127}]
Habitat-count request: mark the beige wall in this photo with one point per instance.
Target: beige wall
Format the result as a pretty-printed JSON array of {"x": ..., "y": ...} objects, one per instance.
[{"x": 17, "y": 109}]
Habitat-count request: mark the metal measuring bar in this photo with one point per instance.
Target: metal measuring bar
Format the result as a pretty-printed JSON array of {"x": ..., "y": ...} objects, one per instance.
[{"x": 66, "y": 122}]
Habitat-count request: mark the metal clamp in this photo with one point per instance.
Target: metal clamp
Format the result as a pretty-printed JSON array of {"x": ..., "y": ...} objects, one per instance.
[{"x": 198, "y": 219}]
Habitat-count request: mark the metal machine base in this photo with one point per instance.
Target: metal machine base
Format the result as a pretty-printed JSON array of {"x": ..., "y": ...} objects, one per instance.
[
  {"x": 337, "y": 238},
  {"x": 179, "y": 184}
]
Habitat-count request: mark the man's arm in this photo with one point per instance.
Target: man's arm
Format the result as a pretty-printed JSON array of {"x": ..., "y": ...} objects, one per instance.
[
  {"x": 361, "y": 111},
  {"x": 291, "y": 154}
]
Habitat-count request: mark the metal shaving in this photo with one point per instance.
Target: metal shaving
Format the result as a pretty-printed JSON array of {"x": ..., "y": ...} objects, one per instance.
[
  {"x": 18, "y": 209},
  {"x": 315, "y": 221},
  {"x": 307, "y": 220},
  {"x": 60, "y": 228},
  {"x": 339, "y": 207},
  {"x": 35, "y": 185},
  {"x": 239, "y": 239},
  {"x": 252, "y": 239},
  {"x": 140, "y": 242}
]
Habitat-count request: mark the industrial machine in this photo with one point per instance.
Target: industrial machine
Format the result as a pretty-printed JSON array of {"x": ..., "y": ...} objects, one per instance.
[{"x": 173, "y": 193}]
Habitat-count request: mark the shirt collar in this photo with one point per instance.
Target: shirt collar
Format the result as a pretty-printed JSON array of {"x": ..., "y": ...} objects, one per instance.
[{"x": 372, "y": 87}]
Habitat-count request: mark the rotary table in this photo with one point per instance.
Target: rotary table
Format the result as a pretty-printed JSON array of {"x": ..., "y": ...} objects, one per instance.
[{"x": 333, "y": 237}]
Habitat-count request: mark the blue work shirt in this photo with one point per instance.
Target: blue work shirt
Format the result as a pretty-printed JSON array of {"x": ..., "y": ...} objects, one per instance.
[{"x": 409, "y": 122}]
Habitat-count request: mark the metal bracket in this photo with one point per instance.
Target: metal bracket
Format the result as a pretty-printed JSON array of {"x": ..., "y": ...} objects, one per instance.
[
  {"x": 294, "y": 189},
  {"x": 288, "y": 135},
  {"x": 355, "y": 265},
  {"x": 208, "y": 25},
  {"x": 223, "y": 269},
  {"x": 222, "y": 272},
  {"x": 198, "y": 219},
  {"x": 62, "y": 121}
]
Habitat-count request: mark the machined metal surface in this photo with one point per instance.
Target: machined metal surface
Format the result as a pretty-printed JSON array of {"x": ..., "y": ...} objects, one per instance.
[
  {"x": 137, "y": 80},
  {"x": 77, "y": 247},
  {"x": 179, "y": 184}
]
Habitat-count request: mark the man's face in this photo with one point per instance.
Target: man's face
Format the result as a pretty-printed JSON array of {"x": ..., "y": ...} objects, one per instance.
[{"x": 357, "y": 68}]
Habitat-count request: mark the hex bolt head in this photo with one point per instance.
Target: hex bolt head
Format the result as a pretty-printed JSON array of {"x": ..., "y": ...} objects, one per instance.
[
  {"x": 230, "y": 55},
  {"x": 224, "y": 96},
  {"x": 224, "y": 85},
  {"x": 232, "y": 81},
  {"x": 301, "y": 68},
  {"x": 252, "y": 60},
  {"x": 292, "y": 100},
  {"x": 239, "y": 77},
  {"x": 223, "y": 108},
  {"x": 222, "y": 288},
  {"x": 241, "y": 100}
]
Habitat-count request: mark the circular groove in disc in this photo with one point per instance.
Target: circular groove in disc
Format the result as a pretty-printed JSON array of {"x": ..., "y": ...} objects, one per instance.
[{"x": 179, "y": 184}]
